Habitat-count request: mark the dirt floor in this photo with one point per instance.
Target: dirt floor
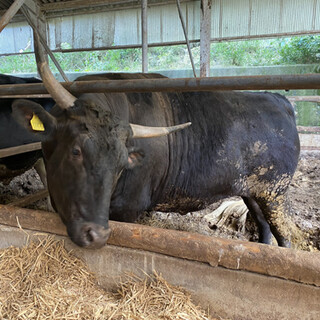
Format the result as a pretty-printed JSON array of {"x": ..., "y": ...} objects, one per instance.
[{"x": 304, "y": 195}]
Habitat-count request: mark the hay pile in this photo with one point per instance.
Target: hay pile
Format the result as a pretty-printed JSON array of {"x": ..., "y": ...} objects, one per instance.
[{"x": 44, "y": 281}]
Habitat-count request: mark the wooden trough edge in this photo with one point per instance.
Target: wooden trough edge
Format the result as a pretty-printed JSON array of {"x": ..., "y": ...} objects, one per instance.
[{"x": 290, "y": 264}]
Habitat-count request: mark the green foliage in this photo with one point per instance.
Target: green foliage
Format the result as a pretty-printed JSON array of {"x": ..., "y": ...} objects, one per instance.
[
  {"x": 308, "y": 113},
  {"x": 244, "y": 53},
  {"x": 18, "y": 64},
  {"x": 168, "y": 58},
  {"x": 295, "y": 50},
  {"x": 107, "y": 60},
  {"x": 300, "y": 50}
]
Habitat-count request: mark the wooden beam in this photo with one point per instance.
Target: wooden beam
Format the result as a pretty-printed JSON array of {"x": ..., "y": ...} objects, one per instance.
[
  {"x": 7, "y": 152},
  {"x": 308, "y": 129},
  {"x": 29, "y": 199},
  {"x": 26, "y": 96},
  {"x": 303, "y": 98},
  {"x": 40, "y": 37},
  {"x": 5, "y": 19}
]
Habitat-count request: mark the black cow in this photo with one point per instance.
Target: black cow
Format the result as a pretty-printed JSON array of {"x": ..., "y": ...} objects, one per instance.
[
  {"x": 239, "y": 143},
  {"x": 12, "y": 134}
]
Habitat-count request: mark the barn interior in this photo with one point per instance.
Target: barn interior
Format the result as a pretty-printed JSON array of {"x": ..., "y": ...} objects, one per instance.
[{"x": 76, "y": 25}]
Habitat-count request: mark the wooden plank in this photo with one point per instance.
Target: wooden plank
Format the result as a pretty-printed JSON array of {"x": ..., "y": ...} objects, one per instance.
[
  {"x": 308, "y": 129},
  {"x": 26, "y": 96},
  {"x": 310, "y": 140},
  {"x": 29, "y": 199},
  {"x": 303, "y": 98},
  {"x": 7, "y": 152}
]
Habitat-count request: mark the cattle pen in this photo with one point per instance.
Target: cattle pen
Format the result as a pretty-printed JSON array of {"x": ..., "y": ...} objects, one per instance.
[{"x": 228, "y": 278}]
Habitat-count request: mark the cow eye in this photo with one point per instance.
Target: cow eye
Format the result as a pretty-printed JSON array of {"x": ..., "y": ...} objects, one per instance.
[{"x": 76, "y": 152}]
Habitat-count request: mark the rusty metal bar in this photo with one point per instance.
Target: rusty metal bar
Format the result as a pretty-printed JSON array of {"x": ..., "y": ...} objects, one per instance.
[
  {"x": 263, "y": 259},
  {"x": 5, "y": 19},
  {"x": 144, "y": 34},
  {"x": 186, "y": 37},
  {"x": 7, "y": 152},
  {"x": 274, "y": 82}
]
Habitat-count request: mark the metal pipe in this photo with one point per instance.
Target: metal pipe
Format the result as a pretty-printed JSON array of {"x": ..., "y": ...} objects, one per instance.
[
  {"x": 5, "y": 19},
  {"x": 273, "y": 82},
  {"x": 144, "y": 34},
  {"x": 186, "y": 37}
]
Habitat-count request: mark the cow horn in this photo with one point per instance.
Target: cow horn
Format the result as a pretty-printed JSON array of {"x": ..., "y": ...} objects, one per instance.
[
  {"x": 150, "y": 132},
  {"x": 60, "y": 95}
]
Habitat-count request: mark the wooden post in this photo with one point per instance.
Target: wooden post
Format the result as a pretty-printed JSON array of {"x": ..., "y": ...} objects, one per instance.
[
  {"x": 205, "y": 36},
  {"x": 5, "y": 19},
  {"x": 37, "y": 22},
  {"x": 144, "y": 30}
]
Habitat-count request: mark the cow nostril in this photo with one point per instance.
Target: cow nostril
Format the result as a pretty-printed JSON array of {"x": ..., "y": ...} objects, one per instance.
[
  {"x": 93, "y": 236},
  {"x": 213, "y": 226},
  {"x": 90, "y": 235}
]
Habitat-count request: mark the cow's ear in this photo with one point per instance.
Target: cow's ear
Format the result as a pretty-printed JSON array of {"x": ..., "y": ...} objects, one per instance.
[
  {"x": 34, "y": 118},
  {"x": 135, "y": 158}
]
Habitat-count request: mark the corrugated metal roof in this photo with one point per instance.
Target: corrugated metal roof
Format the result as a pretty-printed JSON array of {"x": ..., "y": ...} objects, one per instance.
[{"x": 101, "y": 29}]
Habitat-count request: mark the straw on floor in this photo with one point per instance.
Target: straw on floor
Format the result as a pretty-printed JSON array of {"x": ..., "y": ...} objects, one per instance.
[{"x": 44, "y": 281}]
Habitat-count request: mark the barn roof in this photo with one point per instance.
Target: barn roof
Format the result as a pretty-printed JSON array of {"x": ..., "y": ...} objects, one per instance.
[{"x": 102, "y": 24}]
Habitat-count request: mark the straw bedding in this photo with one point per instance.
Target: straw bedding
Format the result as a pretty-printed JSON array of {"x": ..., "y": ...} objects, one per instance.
[{"x": 44, "y": 281}]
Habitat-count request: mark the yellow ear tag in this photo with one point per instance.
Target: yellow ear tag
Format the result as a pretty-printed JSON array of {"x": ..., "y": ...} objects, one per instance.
[{"x": 36, "y": 123}]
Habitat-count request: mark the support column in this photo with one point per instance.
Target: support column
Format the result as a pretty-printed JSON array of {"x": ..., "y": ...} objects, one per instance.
[
  {"x": 205, "y": 36},
  {"x": 144, "y": 30},
  {"x": 37, "y": 21}
]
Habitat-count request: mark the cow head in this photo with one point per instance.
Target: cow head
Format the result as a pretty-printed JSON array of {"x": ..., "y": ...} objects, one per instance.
[{"x": 85, "y": 151}]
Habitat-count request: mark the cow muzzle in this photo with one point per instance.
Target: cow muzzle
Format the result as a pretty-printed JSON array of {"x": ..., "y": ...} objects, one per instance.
[{"x": 88, "y": 234}]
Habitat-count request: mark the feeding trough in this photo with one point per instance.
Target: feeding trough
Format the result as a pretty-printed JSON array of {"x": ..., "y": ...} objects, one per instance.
[{"x": 234, "y": 279}]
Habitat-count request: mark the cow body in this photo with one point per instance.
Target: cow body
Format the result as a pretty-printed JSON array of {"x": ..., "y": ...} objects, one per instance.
[
  {"x": 239, "y": 144},
  {"x": 12, "y": 134}
]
